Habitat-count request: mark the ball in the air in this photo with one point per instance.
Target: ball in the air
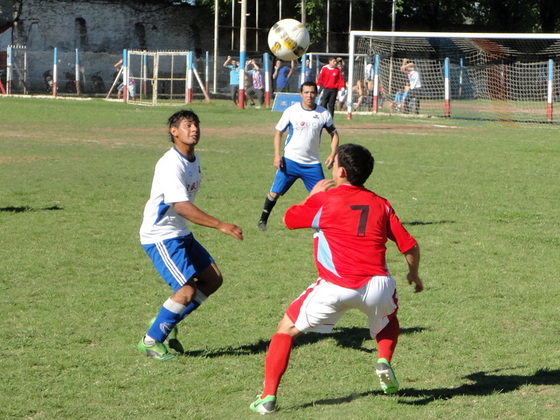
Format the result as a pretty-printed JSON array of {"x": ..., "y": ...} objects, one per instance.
[{"x": 288, "y": 39}]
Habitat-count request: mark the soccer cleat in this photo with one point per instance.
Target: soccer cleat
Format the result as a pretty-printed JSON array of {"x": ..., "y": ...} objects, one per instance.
[
  {"x": 387, "y": 378},
  {"x": 158, "y": 351},
  {"x": 172, "y": 340},
  {"x": 261, "y": 225},
  {"x": 265, "y": 405}
]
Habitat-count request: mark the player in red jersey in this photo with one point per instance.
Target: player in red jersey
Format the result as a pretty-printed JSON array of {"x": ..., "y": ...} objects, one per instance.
[
  {"x": 352, "y": 227},
  {"x": 331, "y": 80}
]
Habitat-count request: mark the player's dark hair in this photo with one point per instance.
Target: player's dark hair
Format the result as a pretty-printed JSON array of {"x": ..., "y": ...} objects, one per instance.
[
  {"x": 308, "y": 83},
  {"x": 357, "y": 161},
  {"x": 183, "y": 114}
]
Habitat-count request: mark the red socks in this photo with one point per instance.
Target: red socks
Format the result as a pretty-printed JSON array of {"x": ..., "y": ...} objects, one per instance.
[
  {"x": 278, "y": 355},
  {"x": 387, "y": 339},
  {"x": 276, "y": 362}
]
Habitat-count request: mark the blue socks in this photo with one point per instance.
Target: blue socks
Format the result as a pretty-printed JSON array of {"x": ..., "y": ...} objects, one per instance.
[{"x": 170, "y": 314}]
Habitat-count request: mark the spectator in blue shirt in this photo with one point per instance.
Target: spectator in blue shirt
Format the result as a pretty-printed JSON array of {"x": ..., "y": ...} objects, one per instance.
[
  {"x": 282, "y": 75},
  {"x": 233, "y": 78}
]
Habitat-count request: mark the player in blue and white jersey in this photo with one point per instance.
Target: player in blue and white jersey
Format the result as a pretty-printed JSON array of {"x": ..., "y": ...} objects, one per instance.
[
  {"x": 304, "y": 122},
  {"x": 181, "y": 261}
]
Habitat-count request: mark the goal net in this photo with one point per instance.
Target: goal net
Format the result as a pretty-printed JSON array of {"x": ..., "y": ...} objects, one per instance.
[
  {"x": 511, "y": 77},
  {"x": 164, "y": 77}
]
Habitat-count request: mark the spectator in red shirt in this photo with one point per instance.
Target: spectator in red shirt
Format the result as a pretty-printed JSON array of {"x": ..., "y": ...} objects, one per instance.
[{"x": 331, "y": 81}]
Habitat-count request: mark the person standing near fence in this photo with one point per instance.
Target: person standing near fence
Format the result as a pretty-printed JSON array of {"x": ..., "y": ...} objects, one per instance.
[
  {"x": 120, "y": 77},
  {"x": 233, "y": 65},
  {"x": 281, "y": 76},
  {"x": 412, "y": 102},
  {"x": 331, "y": 81},
  {"x": 256, "y": 89}
]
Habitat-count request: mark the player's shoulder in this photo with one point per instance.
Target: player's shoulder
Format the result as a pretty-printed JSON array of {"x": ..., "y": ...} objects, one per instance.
[
  {"x": 293, "y": 108},
  {"x": 170, "y": 154}
]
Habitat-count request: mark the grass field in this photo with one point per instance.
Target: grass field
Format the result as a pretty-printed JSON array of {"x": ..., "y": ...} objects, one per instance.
[{"x": 481, "y": 342}]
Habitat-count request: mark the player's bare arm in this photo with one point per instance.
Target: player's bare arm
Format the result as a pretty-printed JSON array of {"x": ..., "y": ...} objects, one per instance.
[
  {"x": 193, "y": 214},
  {"x": 413, "y": 260},
  {"x": 334, "y": 144},
  {"x": 277, "y": 149}
]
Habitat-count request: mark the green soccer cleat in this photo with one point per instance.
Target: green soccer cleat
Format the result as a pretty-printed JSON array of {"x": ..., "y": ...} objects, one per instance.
[
  {"x": 158, "y": 351},
  {"x": 387, "y": 378},
  {"x": 264, "y": 405},
  {"x": 172, "y": 340}
]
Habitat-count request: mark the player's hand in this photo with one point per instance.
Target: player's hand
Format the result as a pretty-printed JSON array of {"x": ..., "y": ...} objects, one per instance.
[
  {"x": 278, "y": 163},
  {"x": 321, "y": 186},
  {"x": 329, "y": 162},
  {"x": 418, "y": 286},
  {"x": 231, "y": 229}
]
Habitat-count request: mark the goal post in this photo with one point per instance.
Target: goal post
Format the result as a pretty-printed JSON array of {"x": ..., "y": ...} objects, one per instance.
[{"x": 512, "y": 77}]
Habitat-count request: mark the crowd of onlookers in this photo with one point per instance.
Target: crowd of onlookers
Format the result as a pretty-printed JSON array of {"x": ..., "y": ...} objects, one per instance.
[
  {"x": 287, "y": 77},
  {"x": 331, "y": 78}
]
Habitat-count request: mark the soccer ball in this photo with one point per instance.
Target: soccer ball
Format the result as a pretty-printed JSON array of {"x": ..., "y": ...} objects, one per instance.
[{"x": 288, "y": 39}]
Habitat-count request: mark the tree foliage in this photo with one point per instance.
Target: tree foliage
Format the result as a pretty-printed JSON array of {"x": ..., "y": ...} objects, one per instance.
[{"x": 524, "y": 16}]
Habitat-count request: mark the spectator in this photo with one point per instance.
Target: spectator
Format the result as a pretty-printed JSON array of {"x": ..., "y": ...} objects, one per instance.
[
  {"x": 358, "y": 92},
  {"x": 233, "y": 78},
  {"x": 131, "y": 82},
  {"x": 281, "y": 76},
  {"x": 256, "y": 88},
  {"x": 309, "y": 77},
  {"x": 412, "y": 102}
]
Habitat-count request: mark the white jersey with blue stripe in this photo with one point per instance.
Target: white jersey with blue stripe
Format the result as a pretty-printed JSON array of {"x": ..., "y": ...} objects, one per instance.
[
  {"x": 304, "y": 136},
  {"x": 176, "y": 179}
]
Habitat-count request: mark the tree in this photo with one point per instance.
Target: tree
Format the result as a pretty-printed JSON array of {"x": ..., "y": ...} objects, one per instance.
[
  {"x": 7, "y": 9},
  {"x": 524, "y": 16}
]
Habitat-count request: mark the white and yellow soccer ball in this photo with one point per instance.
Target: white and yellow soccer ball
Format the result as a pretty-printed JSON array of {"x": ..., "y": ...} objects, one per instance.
[{"x": 288, "y": 39}]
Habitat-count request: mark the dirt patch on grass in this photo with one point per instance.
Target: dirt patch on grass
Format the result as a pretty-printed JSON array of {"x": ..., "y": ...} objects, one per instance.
[
  {"x": 397, "y": 128},
  {"x": 259, "y": 129},
  {"x": 10, "y": 159}
]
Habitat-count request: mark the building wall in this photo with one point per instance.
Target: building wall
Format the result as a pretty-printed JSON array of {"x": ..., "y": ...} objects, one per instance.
[{"x": 109, "y": 26}]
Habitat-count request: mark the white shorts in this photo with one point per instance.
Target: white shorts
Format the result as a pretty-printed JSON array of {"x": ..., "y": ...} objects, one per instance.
[
  {"x": 341, "y": 96},
  {"x": 131, "y": 88},
  {"x": 322, "y": 305}
]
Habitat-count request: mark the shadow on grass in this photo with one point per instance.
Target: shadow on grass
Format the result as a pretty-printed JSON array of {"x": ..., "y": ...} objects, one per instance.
[
  {"x": 352, "y": 337},
  {"x": 482, "y": 384},
  {"x": 22, "y": 209},
  {"x": 419, "y": 223},
  {"x": 479, "y": 384}
]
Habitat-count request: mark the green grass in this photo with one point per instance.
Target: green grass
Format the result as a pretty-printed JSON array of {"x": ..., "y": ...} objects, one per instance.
[{"x": 481, "y": 342}]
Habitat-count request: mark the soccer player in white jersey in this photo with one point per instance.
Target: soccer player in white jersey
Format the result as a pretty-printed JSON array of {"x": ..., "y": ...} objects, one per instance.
[
  {"x": 304, "y": 122},
  {"x": 181, "y": 261}
]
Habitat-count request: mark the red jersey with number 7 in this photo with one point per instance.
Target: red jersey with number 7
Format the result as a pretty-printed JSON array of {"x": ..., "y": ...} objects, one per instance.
[{"x": 352, "y": 227}]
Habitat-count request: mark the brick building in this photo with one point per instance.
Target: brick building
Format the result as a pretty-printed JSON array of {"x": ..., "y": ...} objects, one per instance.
[
  {"x": 100, "y": 30},
  {"x": 109, "y": 26}
]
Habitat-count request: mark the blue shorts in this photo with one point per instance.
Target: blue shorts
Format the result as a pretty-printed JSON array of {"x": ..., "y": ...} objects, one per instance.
[
  {"x": 291, "y": 171},
  {"x": 177, "y": 260}
]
